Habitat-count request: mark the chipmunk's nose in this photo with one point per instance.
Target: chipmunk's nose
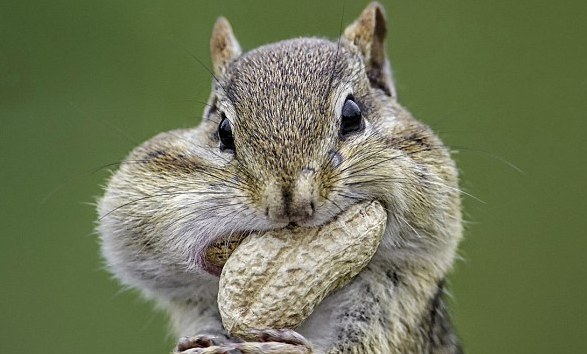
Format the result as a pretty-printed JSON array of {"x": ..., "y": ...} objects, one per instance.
[
  {"x": 291, "y": 201},
  {"x": 298, "y": 204}
]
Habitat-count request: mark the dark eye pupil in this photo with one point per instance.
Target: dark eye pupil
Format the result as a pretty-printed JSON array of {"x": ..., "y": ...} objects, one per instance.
[
  {"x": 225, "y": 134},
  {"x": 351, "y": 118}
]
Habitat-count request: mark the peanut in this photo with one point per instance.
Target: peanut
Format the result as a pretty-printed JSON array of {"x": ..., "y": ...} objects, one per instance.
[{"x": 276, "y": 279}]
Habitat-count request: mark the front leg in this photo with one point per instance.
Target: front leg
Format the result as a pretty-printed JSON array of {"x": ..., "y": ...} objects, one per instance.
[
  {"x": 383, "y": 310},
  {"x": 355, "y": 319}
]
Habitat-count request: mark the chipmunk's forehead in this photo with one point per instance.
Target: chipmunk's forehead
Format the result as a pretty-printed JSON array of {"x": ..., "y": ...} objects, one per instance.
[{"x": 289, "y": 65}]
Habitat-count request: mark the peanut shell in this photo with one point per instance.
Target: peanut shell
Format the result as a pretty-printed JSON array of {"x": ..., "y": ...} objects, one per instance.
[{"x": 276, "y": 279}]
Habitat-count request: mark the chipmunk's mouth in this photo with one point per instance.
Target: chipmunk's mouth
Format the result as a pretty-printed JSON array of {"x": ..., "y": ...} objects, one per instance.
[{"x": 214, "y": 255}]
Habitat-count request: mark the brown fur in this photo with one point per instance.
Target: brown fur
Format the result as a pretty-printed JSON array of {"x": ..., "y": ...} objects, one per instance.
[{"x": 179, "y": 191}]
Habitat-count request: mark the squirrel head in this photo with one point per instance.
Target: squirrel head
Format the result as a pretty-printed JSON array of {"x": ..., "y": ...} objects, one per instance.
[{"x": 291, "y": 112}]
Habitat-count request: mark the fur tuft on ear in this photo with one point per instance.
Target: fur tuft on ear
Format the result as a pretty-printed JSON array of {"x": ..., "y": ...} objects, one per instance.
[
  {"x": 367, "y": 34},
  {"x": 224, "y": 47}
]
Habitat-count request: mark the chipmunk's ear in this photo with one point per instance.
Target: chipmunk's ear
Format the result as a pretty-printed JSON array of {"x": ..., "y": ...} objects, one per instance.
[
  {"x": 223, "y": 45},
  {"x": 367, "y": 34}
]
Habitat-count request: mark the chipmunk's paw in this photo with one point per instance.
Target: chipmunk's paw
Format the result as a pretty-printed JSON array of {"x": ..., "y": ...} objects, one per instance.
[
  {"x": 204, "y": 341},
  {"x": 287, "y": 336},
  {"x": 263, "y": 342}
]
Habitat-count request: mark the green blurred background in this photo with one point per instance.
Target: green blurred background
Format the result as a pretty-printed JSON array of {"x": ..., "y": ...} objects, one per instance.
[{"x": 503, "y": 82}]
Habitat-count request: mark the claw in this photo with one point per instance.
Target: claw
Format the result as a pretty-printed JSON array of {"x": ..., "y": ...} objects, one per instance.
[
  {"x": 214, "y": 350},
  {"x": 202, "y": 341},
  {"x": 288, "y": 336},
  {"x": 272, "y": 348},
  {"x": 186, "y": 343}
]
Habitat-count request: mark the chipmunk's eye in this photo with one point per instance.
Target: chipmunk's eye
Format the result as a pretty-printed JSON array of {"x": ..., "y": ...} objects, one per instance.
[
  {"x": 351, "y": 119},
  {"x": 225, "y": 134}
]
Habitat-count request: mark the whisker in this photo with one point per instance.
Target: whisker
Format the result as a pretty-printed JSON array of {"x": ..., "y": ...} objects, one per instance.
[
  {"x": 397, "y": 216},
  {"x": 331, "y": 79},
  {"x": 134, "y": 201},
  {"x": 106, "y": 123},
  {"x": 493, "y": 156},
  {"x": 458, "y": 190},
  {"x": 334, "y": 203}
]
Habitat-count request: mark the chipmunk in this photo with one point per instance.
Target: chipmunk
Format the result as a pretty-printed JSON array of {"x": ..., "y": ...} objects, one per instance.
[{"x": 294, "y": 133}]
